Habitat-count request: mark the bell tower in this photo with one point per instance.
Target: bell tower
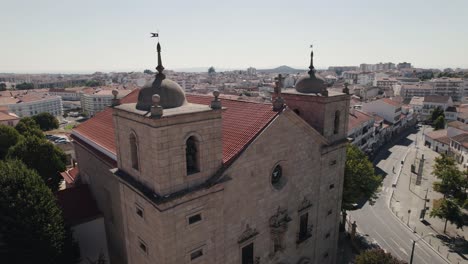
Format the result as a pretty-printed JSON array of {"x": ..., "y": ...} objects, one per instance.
[
  {"x": 164, "y": 143},
  {"x": 325, "y": 111}
]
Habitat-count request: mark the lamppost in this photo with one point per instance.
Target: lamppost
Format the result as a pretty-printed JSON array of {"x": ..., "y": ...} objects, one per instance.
[{"x": 414, "y": 244}]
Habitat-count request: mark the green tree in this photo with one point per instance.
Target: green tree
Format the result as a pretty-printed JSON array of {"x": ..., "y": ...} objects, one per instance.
[
  {"x": 377, "y": 256},
  {"x": 24, "y": 86},
  {"x": 360, "y": 180},
  {"x": 2, "y": 87},
  {"x": 28, "y": 127},
  {"x": 439, "y": 123},
  {"x": 436, "y": 113},
  {"x": 41, "y": 155},
  {"x": 92, "y": 83},
  {"x": 46, "y": 121},
  {"x": 31, "y": 223},
  {"x": 211, "y": 70},
  {"x": 453, "y": 182},
  {"x": 148, "y": 71},
  {"x": 8, "y": 137},
  {"x": 448, "y": 210}
]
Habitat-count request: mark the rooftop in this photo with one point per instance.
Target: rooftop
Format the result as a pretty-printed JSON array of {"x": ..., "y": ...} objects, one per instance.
[
  {"x": 436, "y": 99},
  {"x": 241, "y": 122},
  {"x": 357, "y": 118}
]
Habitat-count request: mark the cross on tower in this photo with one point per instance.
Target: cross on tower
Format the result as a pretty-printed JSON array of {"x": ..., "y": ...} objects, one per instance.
[{"x": 279, "y": 83}]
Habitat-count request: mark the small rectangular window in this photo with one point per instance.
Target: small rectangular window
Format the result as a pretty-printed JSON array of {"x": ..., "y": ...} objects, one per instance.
[
  {"x": 139, "y": 211},
  {"x": 194, "y": 219},
  {"x": 331, "y": 186},
  {"x": 330, "y": 212},
  {"x": 333, "y": 162},
  {"x": 325, "y": 255},
  {"x": 196, "y": 254},
  {"x": 142, "y": 246},
  {"x": 327, "y": 235}
]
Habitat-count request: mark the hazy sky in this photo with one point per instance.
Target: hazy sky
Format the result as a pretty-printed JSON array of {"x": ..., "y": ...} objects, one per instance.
[{"x": 105, "y": 35}]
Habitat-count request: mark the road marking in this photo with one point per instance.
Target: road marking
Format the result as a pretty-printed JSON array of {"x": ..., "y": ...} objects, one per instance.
[
  {"x": 402, "y": 250},
  {"x": 393, "y": 249}
]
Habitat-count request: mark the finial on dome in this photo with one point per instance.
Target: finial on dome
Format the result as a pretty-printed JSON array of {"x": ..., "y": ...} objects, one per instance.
[
  {"x": 156, "y": 109},
  {"x": 311, "y": 67},
  {"x": 115, "y": 101},
  {"x": 216, "y": 103},
  {"x": 160, "y": 67}
]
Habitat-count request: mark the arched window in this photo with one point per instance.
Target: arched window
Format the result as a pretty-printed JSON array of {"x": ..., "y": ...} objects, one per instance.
[
  {"x": 191, "y": 155},
  {"x": 134, "y": 151},
  {"x": 336, "y": 124}
]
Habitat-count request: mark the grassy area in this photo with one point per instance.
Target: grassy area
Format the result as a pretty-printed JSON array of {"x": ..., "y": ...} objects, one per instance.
[{"x": 69, "y": 127}]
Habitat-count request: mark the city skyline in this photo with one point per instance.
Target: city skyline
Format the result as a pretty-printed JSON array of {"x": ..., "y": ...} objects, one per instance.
[{"x": 65, "y": 37}]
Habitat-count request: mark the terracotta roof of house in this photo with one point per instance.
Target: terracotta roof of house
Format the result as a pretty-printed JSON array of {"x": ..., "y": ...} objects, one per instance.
[
  {"x": 358, "y": 118},
  {"x": 78, "y": 205},
  {"x": 70, "y": 175},
  {"x": 436, "y": 99},
  {"x": 462, "y": 139},
  {"x": 459, "y": 125},
  {"x": 8, "y": 116},
  {"x": 436, "y": 134},
  {"x": 417, "y": 100},
  {"x": 390, "y": 102},
  {"x": 241, "y": 122}
]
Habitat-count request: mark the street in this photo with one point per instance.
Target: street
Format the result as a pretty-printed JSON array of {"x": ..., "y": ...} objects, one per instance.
[{"x": 377, "y": 220}]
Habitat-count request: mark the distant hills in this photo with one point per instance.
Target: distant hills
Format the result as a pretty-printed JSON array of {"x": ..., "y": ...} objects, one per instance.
[{"x": 282, "y": 69}]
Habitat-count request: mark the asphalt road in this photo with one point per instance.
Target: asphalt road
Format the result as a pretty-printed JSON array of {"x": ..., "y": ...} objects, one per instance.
[{"x": 380, "y": 224}]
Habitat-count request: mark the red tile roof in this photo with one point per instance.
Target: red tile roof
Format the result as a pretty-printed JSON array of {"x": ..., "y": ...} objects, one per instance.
[
  {"x": 357, "y": 119},
  {"x": 390, "y": 102},
  {"x": 70, "y": 175},
  {"x": 241, "y": 122},
  {"x": 78, "y": 205}
]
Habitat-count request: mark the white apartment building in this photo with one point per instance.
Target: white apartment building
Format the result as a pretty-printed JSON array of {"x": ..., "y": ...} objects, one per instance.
[
  {"x": 365, "y": 78},
  {"x": 361, "y": 130},
  {"x": 410, "y": 90},
  {"x": 94, "y": 102},
  {"x": 386, "y": 82},
  {"x": 67, "y": 95},
  {"x": 449, "y": 87},
  {"x": 32, "y": 103},
  {"x": 388, "y": 109},
  {"x": 445, "y": 103}
]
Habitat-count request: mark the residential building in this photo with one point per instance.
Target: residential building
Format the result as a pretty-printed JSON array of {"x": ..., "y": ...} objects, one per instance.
[
  {"x": 459, "y": 148},
  {"x": 417, "y": 103},
  {"x": 190, "y": 178},
  {"x": 350, "y": 77},
  {"x": 32, "y": 103},
  {"x": 448, "y": 87},
  {"x": 432, "y": 102},
  {"x": 66, "y": 94},
  {"x": 410, "y": 90},
  {"x": 7, "y": 118},
  {"x": 386, "y": 83},
  {"x": 97, "y": 100},
  {"x": 437, "y": 140},
  {"x": 361, "y": 130},
  {"x": 404, "y": 65},
  {"x": 387, "y": 108}
]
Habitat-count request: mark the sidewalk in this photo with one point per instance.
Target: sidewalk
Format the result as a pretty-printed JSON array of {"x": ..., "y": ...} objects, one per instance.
[{"x": 408, "y": 201}]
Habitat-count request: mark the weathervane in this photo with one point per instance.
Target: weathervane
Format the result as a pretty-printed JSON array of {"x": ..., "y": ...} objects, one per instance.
[{"x": 160, "y": 67}]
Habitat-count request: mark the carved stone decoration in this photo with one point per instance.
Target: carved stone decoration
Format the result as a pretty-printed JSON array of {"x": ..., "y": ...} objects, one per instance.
[
  {"x": 257, "y": 260},
  {"x": 247, "y": 234},
  {"x": 280, "y": 219},
  {"x": 305, "y": 204}
]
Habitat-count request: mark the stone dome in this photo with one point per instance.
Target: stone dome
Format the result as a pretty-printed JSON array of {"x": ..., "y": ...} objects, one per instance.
[
  {"x": 313, "y": 83},
  {"x": 171, "y": 94}
]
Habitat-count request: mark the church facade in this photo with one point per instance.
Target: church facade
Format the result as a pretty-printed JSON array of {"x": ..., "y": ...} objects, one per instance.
[{"x": 201, "y": 179}]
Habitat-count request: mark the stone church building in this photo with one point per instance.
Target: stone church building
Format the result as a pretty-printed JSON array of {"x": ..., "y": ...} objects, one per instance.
[{"x": 186, "y": 178}]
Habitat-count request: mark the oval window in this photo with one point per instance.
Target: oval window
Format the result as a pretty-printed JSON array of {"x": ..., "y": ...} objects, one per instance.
[{"x": 277, "y": 179}]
